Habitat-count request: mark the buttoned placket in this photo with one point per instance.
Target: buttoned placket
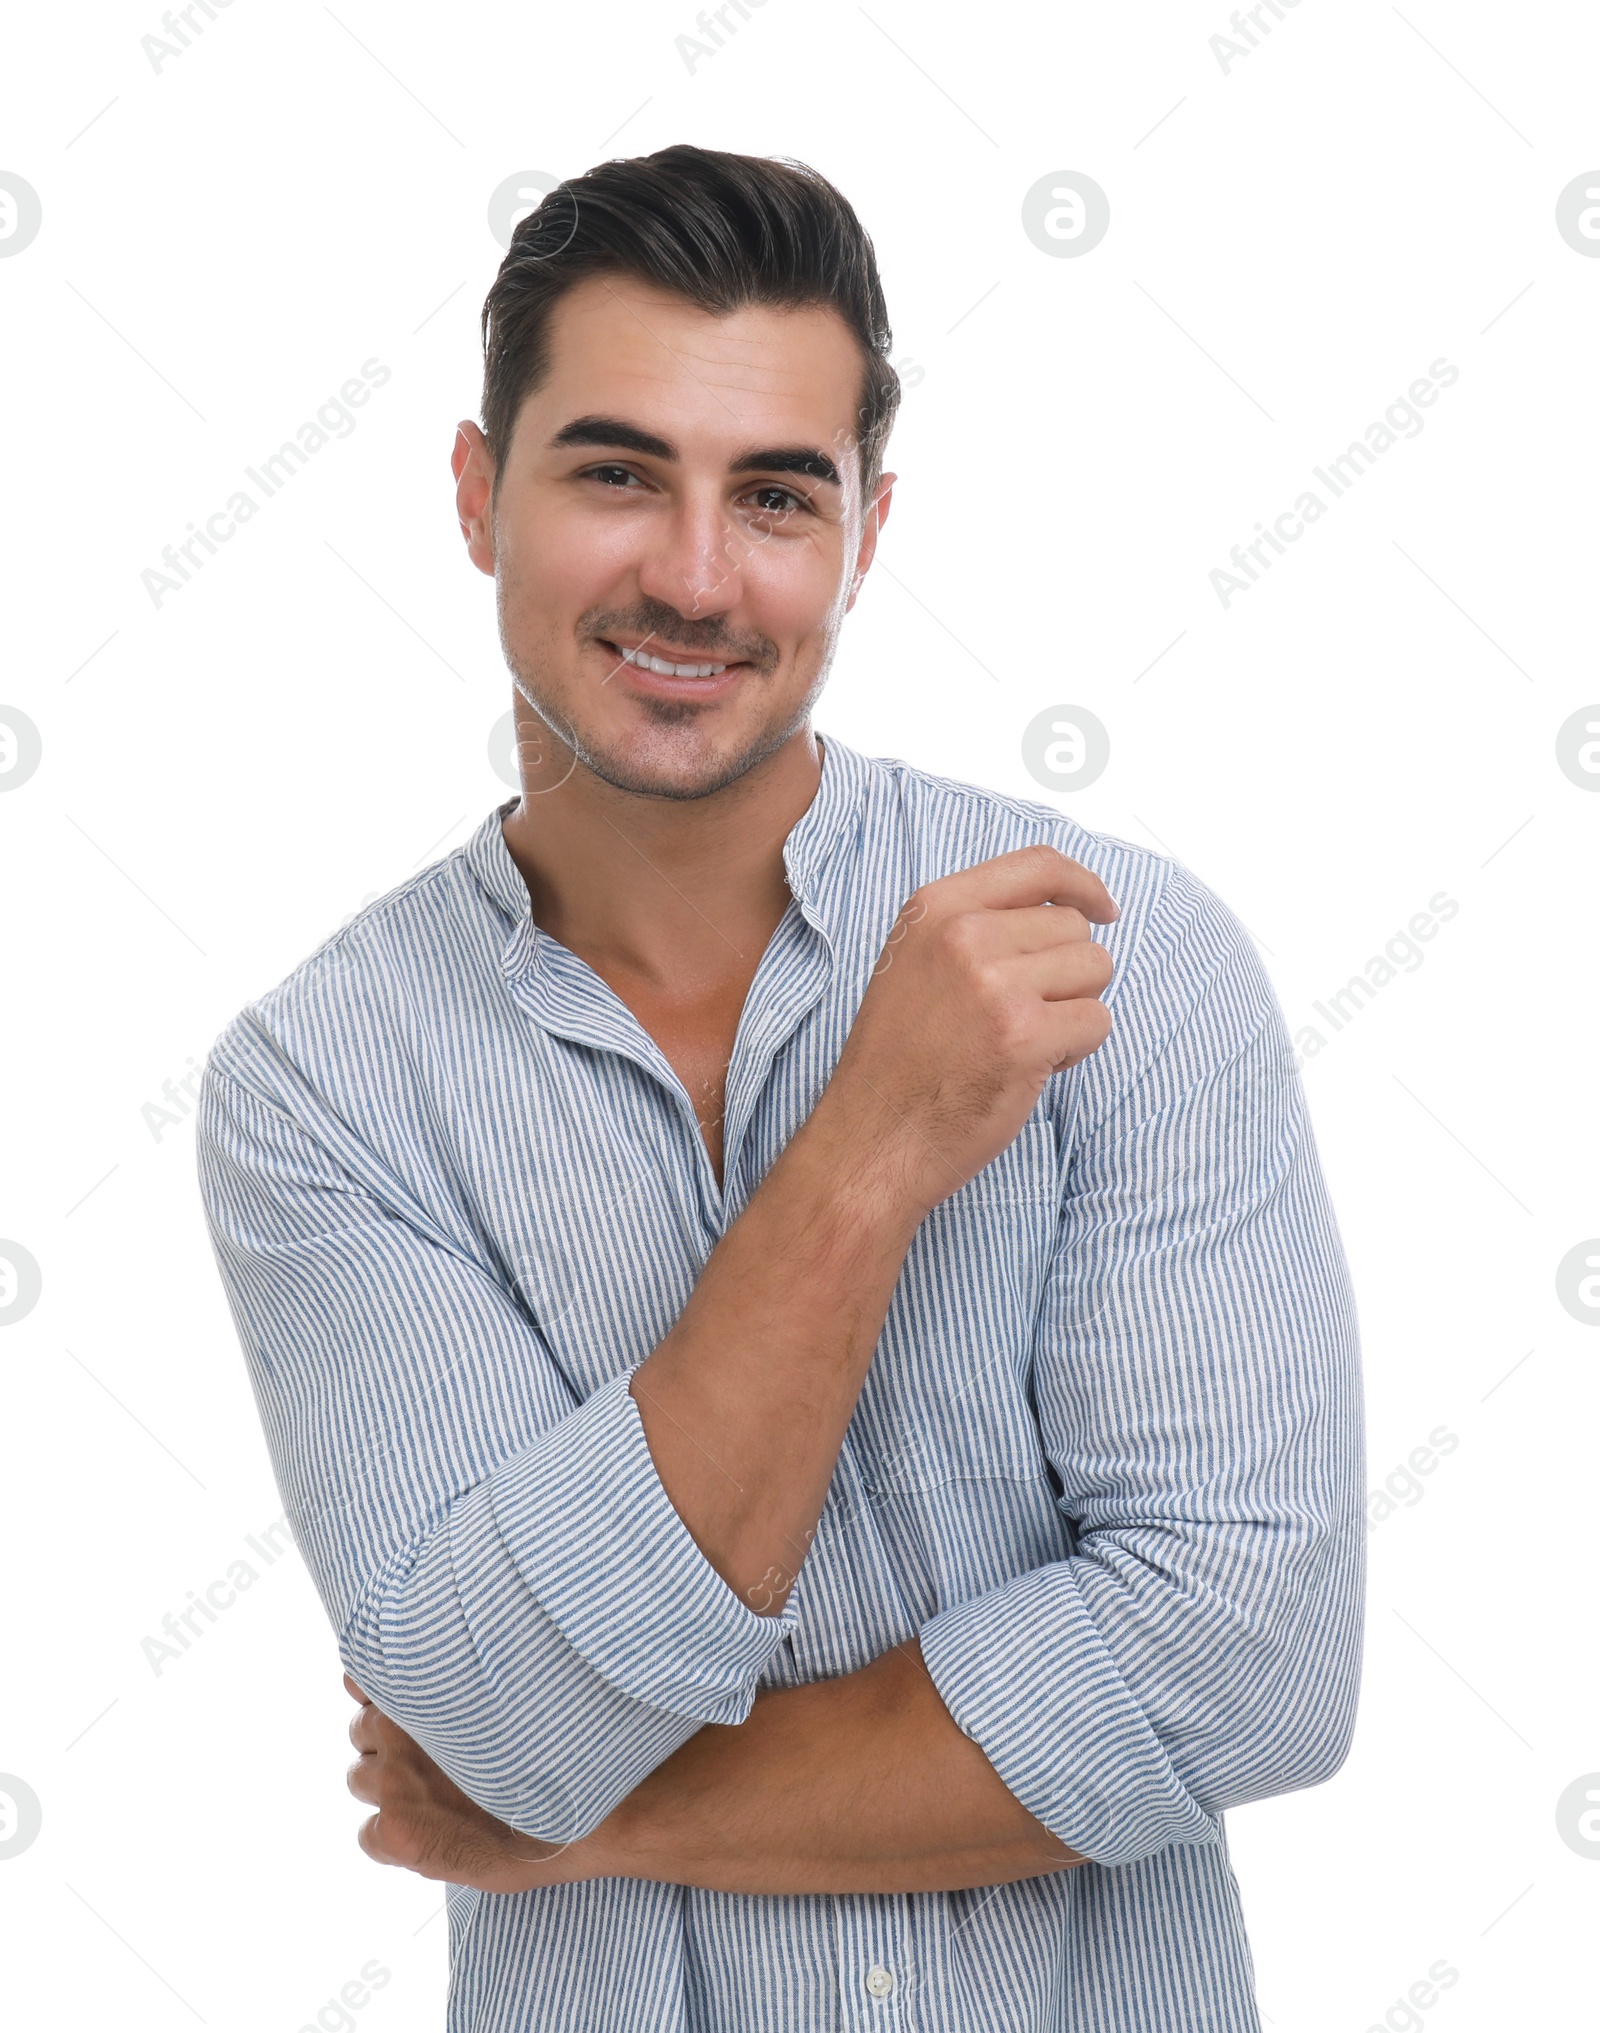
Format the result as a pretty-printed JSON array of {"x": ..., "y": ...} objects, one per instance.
[{"x": 877, "y": 1979}]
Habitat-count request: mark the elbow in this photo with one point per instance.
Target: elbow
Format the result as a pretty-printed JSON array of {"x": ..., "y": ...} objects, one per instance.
[
  {"x": 1287, "y": 1720},
  {"x": 555, "y": 1786},
  {"x": 1307, "y": 1752},
  {"x": 503, "y": 1777},
  {"x": 1262, "y": 1759},
  {"x": 1324, "y": 1750},
  {"x": 1297, "y": 1715},
  {"x": 1293, "y": 1731}
]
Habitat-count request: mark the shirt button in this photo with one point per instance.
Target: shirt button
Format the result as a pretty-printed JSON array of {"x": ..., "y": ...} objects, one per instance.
[{"x": 880, "y": 1981}]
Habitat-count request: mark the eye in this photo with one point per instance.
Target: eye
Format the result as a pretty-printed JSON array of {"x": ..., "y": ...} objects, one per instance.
[
  {"x": 787, "y": 499},
  {"x": 603, "y": 473}
]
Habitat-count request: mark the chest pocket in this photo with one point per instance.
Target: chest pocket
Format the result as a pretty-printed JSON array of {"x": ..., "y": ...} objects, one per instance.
[{"x": 948, "y": 1397}]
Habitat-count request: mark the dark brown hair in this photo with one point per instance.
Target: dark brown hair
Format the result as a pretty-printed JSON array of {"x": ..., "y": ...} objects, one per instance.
[{"x": 722, "y": 230}]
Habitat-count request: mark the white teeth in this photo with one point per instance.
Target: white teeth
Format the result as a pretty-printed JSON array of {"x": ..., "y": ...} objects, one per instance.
[{"x": 665, "y": 670}]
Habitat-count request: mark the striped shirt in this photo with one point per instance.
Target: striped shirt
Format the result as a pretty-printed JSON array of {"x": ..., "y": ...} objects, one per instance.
[{"x": 1107, "y": 1464}]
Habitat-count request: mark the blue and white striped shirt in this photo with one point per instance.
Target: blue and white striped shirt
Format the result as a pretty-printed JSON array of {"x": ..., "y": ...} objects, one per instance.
[{"x": 1108, "y": 1463}]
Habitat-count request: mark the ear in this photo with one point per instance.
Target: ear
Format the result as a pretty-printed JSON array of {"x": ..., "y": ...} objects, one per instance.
[
  {"x": 473, "y": 465},
  {"x": 876, "y": 516}
]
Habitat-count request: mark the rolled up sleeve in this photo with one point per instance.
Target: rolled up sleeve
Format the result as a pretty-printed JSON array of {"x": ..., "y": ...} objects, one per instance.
[
  {"x": 1198, "y": 1388},
  {"x": 503, "y": 1568}
]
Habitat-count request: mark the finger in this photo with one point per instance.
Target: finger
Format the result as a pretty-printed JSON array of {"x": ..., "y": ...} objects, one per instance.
[
  {"x": 370, "y": 1837},
  {"x": 1075, "y": 1028},
  {"x": 365, "y": 1729},
  {"x": 365, "y": 1782},
  {"x": 1029, "y": 875},
  {"x": 1066, "y": 974},
  {"x": 352, "y": 1689},
  {"x": 1030, "y": 928}
]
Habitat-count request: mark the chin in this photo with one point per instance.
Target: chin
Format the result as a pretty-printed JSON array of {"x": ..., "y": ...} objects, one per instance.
[{"x": 679, "y": 759}]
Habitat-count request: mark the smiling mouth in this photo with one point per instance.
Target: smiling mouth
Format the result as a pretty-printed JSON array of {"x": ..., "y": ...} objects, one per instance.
[{"x": 669, "y": 667}]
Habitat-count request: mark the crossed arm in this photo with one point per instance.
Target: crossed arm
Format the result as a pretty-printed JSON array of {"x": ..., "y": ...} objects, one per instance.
[{"x": 860, "y": 1784}]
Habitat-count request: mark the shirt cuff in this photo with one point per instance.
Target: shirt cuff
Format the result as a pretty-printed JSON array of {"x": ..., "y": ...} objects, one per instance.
[
  {"x": 585, "y": 1516},
  {"x": 1025, "y": 1673}
]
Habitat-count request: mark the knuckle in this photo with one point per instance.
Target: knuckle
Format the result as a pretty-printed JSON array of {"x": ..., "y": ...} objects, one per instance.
[
  {"x": 958, "y": 935},
  {"x": 989, "y": 985},
  {"x": 1011, "y": 1027}
]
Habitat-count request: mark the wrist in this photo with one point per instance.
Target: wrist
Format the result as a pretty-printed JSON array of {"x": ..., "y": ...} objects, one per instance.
[
  {"x": 852, "y": 1175},
  {"x": 524, "y": 1863},
  {"x": 621, "y": 1847}
]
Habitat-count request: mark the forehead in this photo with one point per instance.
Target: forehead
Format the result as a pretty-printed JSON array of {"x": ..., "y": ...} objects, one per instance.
[{"x": 707, "y": 380}]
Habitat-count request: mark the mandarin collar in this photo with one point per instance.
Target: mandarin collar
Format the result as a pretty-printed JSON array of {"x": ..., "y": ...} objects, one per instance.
[{"x": 815, "y": 852}]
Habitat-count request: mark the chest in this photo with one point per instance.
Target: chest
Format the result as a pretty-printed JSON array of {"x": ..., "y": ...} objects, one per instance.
[
  {"x": 697, "y": 1040},
  {"x": 696, "y": 1030},
  {"x": 584, "y": 1181}
]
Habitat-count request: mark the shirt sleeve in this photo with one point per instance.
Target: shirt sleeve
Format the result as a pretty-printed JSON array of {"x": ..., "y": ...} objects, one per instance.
[
  {"x": 505, "y": 1572},
  {"x": 1199, "y": 1398}
]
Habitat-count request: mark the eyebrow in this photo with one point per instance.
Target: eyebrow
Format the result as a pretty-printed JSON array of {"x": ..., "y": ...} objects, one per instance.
[{"x": 614, "y": 435}]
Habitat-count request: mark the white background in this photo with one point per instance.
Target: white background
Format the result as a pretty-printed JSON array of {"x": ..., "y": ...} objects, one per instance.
[{"x": 227, "y": 776}]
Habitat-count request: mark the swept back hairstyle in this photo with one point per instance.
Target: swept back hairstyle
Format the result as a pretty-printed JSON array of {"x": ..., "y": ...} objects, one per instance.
[{"x": 722, "y": 230}]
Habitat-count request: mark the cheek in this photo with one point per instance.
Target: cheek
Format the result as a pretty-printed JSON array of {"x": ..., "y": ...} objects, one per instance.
[
  {"x": 793, "y": 585},
  {"x": 562, "y": 565}
]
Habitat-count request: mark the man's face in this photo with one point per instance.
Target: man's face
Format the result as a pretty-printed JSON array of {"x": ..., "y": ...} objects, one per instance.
[{"x": 682, "y": 486}]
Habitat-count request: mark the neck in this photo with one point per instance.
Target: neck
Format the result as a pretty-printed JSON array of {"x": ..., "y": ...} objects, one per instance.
[{"x": 673, "y": 893}]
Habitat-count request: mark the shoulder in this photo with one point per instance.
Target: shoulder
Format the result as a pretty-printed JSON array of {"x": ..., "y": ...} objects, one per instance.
[
  {"x": 366, "y": 981},
  {"x": 949, "y": 824},
  {"x": 1185, "y": 966}
]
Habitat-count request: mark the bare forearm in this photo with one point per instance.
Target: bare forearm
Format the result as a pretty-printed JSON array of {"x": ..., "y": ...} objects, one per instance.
[
  {"x": 986, "y": 987},
  {"x": 745, "y": 1403},
  {"x": 861, "y": 1784}
]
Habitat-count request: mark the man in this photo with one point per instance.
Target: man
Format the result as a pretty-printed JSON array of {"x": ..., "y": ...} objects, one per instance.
[{"x": 821, "y": 1397}]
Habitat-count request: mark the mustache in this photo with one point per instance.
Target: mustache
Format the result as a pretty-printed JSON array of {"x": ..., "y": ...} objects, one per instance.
[{"x": 711, "y": 639}]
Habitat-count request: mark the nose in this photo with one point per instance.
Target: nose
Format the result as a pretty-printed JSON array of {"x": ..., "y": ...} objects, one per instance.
[{"x": 693, "y": 562}]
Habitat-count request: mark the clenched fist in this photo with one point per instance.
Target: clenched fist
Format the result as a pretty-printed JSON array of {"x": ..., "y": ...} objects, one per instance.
[{"x": 988, "y": 984}]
